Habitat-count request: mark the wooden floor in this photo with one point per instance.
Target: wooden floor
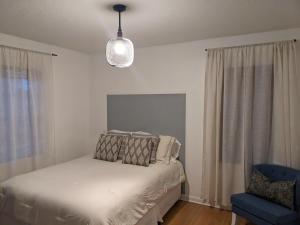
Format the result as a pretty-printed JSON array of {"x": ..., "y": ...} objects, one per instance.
[{"x": 186, "y": 213}]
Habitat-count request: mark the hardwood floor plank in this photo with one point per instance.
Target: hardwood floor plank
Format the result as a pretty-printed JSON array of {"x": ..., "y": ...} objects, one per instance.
[{"x": 187, "y": 213}]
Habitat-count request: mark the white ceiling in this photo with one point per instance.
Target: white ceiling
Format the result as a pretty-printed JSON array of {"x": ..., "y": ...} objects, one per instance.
[{"x": 86, "y": 25}]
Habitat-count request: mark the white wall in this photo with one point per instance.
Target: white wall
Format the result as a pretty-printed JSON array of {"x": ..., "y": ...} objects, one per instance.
[
  {"x": 71, "y": 96},
  {"x": 81, "y": 83},
  {"x": 168, "y": 69}
]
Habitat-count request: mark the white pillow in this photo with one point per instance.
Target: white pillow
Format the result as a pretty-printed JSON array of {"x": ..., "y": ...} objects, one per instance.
[
  {"x": 175, "y": 150},
  {"x": 141, "y": 133},
  {"x": 164, "y": 149},
  {"x": 128, "y": 132},
  {"x": 119, "y": 132}
]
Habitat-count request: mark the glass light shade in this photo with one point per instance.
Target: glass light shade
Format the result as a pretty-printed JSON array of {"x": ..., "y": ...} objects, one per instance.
[{"x": 119, "y": 52}]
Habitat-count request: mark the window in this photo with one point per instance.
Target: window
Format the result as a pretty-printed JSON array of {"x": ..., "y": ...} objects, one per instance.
[
  {"x": 26, "y": 134},
  {"x": 15, "y": 108}
]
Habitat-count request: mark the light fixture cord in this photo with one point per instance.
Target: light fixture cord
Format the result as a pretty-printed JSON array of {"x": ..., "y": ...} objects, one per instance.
[{"x": 120, "y": 34}]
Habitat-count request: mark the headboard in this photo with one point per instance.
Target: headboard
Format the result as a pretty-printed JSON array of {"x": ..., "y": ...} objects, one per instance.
[{"x": 154, "y": 113}]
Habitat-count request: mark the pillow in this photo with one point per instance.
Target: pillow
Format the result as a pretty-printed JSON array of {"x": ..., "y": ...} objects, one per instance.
[
  {"x": 164, "y": 150},
  {"x": 258, "y": 184},
  {"x": 281, "y": 192},
  {"x": 137, "y": 151},
  {"x": 118, "y": 132},
  {"x": 108, "y": 147},
  {"x": 124, "y": 143},
  {"x": 127, "y": 132},
  {"x": 154, "y": 146},
  {"x": 124, "y": 136},
  {"x": 175, "y": 150},
  {"x": 153, "y": 143},
  {"x": 141, "y": 133}
]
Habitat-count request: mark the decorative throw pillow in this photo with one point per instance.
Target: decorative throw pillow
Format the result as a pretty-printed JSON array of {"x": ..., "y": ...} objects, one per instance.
[
  {"x": 258, "y": 184},
  {"x": 124, "y": 136},
  {"x": 124, "y": 142},
  {"x": 137, "y": 151},
  {"x": 153, "y": 144},
  {"x": 281, "y": 192},
  {"x": 108, "y": 147}
]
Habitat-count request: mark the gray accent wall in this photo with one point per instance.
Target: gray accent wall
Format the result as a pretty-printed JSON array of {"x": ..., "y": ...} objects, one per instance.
[{"x": 155, "y": 113}]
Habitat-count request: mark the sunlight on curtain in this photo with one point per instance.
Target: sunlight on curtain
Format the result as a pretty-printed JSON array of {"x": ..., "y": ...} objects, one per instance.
[
  {"x": 251, "y": 115},
  {"x": 26, "y": 124}
]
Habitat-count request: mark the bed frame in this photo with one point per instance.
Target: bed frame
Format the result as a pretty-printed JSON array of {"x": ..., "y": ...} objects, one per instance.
[
  {"x": 157, "y": 114},
  {"x": 154, "y": 113}
]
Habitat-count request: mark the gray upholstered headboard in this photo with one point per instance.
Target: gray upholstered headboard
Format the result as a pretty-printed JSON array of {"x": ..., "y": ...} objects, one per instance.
[{"x": 155, "y": 113}]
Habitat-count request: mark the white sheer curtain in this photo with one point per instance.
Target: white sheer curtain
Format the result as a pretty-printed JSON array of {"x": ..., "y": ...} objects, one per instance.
[
  {"x": 251, "y": 115},
  {"x": 26, "y": 131}
]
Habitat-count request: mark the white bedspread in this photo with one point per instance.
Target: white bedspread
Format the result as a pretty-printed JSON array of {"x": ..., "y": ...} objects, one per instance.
[{"x": 87, "y": 191}]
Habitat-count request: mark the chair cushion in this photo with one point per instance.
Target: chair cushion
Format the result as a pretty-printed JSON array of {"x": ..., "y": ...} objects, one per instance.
[{"x": 268, "y": 211}]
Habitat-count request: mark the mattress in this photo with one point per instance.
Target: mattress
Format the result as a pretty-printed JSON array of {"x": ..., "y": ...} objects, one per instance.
[{"x": 86, "y": 191}]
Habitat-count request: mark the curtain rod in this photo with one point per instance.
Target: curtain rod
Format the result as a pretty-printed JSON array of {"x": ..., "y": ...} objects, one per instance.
[
  {"x": 245, "y": 45},
  {"x": 24, "y": 49}
]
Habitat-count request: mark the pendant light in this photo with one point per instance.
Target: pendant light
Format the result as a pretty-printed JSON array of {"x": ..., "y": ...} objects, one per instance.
[{"x": 119, "y": 50}]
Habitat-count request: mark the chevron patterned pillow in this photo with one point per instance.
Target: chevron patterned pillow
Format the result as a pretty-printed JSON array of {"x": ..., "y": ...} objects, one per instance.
[
  {"x": 137, "y": 151},
  {"x": 108, "y": 147}
]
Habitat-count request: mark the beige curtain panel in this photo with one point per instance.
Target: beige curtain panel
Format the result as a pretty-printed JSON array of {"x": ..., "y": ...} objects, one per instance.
[
  {"x": 251, "y": 115},
  {"x": 26, "y": 112}
]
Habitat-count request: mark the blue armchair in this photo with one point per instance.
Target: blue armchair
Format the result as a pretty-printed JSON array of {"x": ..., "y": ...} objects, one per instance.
[{"x": 263, "y": 212}]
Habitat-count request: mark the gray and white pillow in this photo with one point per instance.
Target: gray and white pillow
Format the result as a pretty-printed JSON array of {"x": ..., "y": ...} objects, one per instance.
[
  {"x": 124, "y": 136},
  {"x": 137, "y": 151},
  {"x": 124, "y": 142},
  {"x": 108, "y": 147},
  {"x": 153, "y": 144}
]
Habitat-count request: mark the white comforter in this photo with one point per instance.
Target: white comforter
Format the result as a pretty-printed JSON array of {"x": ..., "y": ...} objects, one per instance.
[{"x": 86, "y": 191}]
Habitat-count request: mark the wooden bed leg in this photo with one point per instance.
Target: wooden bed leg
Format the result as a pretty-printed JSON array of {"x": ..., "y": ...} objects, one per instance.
[{"x": 234, "y": 219}]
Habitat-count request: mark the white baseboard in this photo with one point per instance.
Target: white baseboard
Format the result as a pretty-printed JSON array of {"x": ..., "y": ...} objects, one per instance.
[{"x": 193, "y": 199}]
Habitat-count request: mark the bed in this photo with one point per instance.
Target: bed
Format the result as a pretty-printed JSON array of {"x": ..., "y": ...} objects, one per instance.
[{"x": 87, "y": 191}]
